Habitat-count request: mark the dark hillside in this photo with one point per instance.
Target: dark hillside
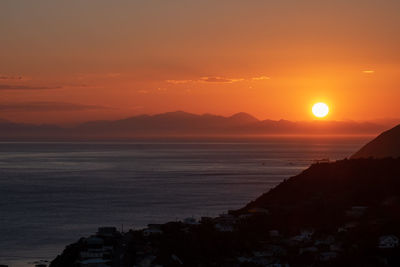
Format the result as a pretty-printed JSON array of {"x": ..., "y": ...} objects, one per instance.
[
  {"x": 325, "y": 191},
  {"x": 385, "y": 145}
]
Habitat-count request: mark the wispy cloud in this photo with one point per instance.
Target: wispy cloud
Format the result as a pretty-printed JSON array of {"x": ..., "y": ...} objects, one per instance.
[
  {"x": 10, "y": 78},
  {"x": 26, "y": 87},
  {"x": 218, "y": 79},
  {"x": 368, "y": 71},
  {"x": 261, "y": 78},
  {"x": 48, "y": 106},
  {"x": 179, "y": 81}
]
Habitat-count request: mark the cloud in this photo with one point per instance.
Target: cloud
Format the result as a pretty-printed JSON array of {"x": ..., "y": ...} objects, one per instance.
[
  {"x": 179, "y": 81},
  {"x": 215, "y": 79},
  {"x": 26, "y": 87},
  {"x": 219, "y": 80},
  {"x": 47, "y": 106},
  {"x": 368, "y": 71},
  {"x": 261, "y": 78},
  {"x": 6, "y": 77}
]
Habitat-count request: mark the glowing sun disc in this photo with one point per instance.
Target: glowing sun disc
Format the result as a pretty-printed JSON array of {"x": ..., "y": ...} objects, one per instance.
[{"x": 320, "y": 110}]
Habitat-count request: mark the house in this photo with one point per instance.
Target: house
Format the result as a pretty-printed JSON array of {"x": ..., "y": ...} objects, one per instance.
[
  {"x": 277, "y": 265},
  {"x": 273, "y": 233},
  {"x": 335, "y": 247},
  {"x": 95, "y": 263},
  {"x": 245, "y": 216},
  {"x": 263, "y": 253},
  {"x": 177, "y": 259},
  {"x": 225, "y": 219},
  {"x": 152, "y": 229},
  {"x": 275, "y": 249},
  {"x": 146, "y": 261},
  {"x": 325, "y": 241},
  {"x": 254, "y": 260},
  {"x": 388, "y": 241},
  {"x": 304, "y": 235},
  {"x": 206, "y": 219},
  {"x": 224, "y": 227},
  {"x": 351, "y": 225},
  {"x": 327, "y": 256},
  {"x": 95, "y": 250},
  {"x": 94, "y": 244},
  {"x": 190, "y": 221},
  {"x": 225, "y": 222},
  {"x": 356, "y": 211},
  {"x": 90, "y": 254},
  {"x": 308, "y": 249},
  {"x": 258, "y": 211},
  {"x": 107, "y": 231}
]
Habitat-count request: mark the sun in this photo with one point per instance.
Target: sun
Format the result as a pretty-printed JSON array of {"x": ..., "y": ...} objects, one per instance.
[{"x": 320, "y": 110}]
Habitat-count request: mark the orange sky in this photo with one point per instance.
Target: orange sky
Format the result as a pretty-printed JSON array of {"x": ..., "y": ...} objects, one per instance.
[{"x": 70, "y": 61}]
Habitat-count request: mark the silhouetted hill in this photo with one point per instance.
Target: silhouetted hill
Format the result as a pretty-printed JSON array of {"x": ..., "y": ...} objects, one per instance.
[
  {"x": 386, "y": 144},
  {"x": 323, "y": 192},
  {"x": 183, "y": 124}
]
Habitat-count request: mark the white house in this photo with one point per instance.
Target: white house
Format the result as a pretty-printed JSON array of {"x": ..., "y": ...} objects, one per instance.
[
  {"x": 388, "y": 241},
  {"x": 94, "y": 263}
]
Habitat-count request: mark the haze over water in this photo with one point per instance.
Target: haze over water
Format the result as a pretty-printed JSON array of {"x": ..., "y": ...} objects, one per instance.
[{"x": 51, "y": 194}]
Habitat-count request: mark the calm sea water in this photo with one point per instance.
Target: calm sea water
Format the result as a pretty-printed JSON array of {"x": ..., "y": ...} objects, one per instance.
[{"x": 53, "y": 193}]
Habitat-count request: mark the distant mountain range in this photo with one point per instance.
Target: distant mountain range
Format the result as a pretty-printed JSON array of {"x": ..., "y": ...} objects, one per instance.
[{"x": 179, "y": 124}]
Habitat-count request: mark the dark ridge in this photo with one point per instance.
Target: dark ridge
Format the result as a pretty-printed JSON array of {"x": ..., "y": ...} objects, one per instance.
[
  {"x": 336, "y": 185},
  {"x": 385, "y": 145}
]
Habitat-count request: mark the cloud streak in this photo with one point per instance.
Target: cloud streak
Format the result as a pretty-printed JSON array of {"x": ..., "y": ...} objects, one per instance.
[
  {"x": 26, "y": 87},
  {"x": 47, "y": 106},
  {"x": 261, "y": 78},
  {"x": 6, "y": 77},
  {"x": 218, "y": 79}
]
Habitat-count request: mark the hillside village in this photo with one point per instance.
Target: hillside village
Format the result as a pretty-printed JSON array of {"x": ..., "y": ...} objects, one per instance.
[{"x": 295, "y": 224}]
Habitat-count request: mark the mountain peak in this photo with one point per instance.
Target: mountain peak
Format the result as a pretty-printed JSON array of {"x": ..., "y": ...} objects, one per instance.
[{"x": 243, "y": 117}]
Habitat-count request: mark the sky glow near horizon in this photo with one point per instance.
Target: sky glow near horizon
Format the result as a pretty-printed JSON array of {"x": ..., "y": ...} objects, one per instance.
[{"x": 71, "y": 61}]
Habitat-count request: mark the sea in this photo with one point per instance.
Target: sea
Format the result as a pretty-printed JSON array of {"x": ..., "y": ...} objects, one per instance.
[{"x": 53, "y": 193}]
